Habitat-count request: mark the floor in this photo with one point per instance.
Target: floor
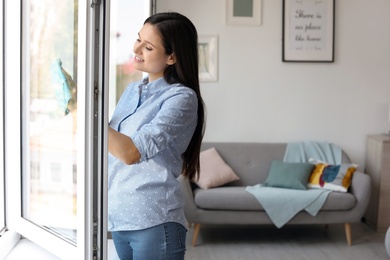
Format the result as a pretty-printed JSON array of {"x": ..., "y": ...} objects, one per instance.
[
  {"x": 261, "y": 242},
  {"x": 290, "y": 242}
]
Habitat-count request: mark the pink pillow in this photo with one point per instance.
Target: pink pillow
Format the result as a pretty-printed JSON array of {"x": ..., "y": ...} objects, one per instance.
[{"x": 214, "y": 171}]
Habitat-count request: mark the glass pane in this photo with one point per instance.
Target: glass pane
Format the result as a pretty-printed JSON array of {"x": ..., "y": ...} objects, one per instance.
[
  {"x": 2, "y": 208},
  {"x": 127, "y": 18},
  {"x": 50, "y": 116}
]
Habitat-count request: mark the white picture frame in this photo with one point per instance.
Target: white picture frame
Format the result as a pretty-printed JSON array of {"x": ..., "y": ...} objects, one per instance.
[
  {"x": 243, "y": 12},
  {"x": 208, "y": 57}
]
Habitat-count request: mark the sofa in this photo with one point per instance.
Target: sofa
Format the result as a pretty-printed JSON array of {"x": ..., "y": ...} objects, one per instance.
[{"x": 231, "y": 203}]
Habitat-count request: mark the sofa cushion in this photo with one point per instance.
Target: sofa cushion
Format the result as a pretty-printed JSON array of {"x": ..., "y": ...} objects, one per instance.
[
  {"x": 226, "y": 198},
  {"x": 214, "y": 171},
  {"x": 331, "y": 177},
  {"x": 288, "y": 175},
  {"x": 237, "y": 198},
  {"x": 339, "y": 201}
]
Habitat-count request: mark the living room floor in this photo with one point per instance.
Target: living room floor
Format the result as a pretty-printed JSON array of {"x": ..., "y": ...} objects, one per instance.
[{"x": 303, "y": 242}]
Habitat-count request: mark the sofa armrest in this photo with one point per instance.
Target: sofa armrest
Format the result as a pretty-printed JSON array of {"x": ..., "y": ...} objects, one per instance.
[
  {"x": 190, "y": 208},
  {"x": 361, "y": 189}
]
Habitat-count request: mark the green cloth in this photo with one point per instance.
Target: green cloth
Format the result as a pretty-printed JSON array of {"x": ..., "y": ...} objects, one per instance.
[
  {"x": 282, "y": 204},
  {"x": 322, "y": 151},
  {"x": 289, "y": 175},
  {"x": 64, "y": 87}
]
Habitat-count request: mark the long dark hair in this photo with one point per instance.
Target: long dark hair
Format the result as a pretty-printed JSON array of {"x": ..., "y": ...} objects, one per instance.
[{"x": 180, "y": 37}]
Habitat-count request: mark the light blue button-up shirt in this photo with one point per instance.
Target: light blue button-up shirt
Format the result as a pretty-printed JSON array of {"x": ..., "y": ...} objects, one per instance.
[{"x": 160, "y": 118}]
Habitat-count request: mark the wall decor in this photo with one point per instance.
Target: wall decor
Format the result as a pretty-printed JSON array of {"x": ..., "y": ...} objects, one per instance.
[
  {"x": 208, "y": 57},
  {"x": 243, "y": 12},
  {"x": 308, "y": 30}
]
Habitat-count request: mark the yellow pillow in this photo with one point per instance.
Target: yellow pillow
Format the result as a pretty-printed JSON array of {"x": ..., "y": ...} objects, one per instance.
[{"x": 332, "y": 177}]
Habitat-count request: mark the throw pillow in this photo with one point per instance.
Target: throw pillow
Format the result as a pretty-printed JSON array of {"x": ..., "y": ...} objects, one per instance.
[
  {"x": 289, "y": 175},
  {"x": 331, "y": 177},
  {"x": 214, "y": 171}
]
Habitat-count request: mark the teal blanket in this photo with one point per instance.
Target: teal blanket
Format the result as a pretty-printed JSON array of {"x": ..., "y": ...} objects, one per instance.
[
  {"x": 303, "y": 151},
  {"x": 280, "y": 206}
]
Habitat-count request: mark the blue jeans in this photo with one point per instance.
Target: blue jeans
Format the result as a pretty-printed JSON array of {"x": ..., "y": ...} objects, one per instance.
[{"x": 165, "y": 241}]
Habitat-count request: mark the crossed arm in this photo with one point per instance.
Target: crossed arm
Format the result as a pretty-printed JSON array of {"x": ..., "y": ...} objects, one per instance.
[{"x": 122, "y": 147}]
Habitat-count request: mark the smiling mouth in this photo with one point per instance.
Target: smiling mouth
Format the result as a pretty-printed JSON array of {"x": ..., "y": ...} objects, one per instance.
[{"x": 138, "y": 58}]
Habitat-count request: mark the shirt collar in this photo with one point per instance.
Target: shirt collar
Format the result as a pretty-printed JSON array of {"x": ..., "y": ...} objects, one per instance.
[{"x": 155, "y": 86}]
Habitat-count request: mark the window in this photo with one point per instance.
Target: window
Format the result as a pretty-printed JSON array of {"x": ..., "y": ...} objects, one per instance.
[
  {"x": 2, "y": 191},
  {"x": 54, "y": 125},
  {"x": 123, "y": 36},
  {"x": 55, "y": 72},
  {"x": 49, "y": 116}
]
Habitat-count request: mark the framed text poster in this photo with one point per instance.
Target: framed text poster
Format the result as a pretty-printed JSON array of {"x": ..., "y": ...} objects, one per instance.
[{"x": 308, "y": 30}]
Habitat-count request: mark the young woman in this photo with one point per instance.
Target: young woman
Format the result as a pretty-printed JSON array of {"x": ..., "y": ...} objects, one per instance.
[{"x": 154, "y": 136}]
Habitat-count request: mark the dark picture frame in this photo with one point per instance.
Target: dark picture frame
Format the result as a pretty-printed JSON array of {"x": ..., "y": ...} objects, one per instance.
[
  {"x": 308, "y": 30},
  {"x": 243, "y": 12}
]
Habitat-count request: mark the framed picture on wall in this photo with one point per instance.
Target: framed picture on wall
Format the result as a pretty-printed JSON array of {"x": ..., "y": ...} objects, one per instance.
[
  {"x": 208, "y": 57},
  {"x": 308, "y": 30},
  {"x": 243, "y": 12}
]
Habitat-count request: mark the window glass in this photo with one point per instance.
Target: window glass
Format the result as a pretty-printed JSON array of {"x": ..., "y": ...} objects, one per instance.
[
  {"x": 49, "y": 122},
  {"x": 127, "y": 18}
]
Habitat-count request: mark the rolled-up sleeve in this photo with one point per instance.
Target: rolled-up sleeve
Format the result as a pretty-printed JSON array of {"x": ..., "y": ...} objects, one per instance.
[{"x": 172, "y": 124}]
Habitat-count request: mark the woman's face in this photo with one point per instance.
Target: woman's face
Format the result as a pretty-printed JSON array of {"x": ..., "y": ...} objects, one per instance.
[{"x": 150, "y": 54}]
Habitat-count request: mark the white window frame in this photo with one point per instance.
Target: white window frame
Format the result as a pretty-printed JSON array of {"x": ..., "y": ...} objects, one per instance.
[
  {"x": 8, "y": 238},
  {"x": 89, "y": 54},
  {"x": 2, "y": 190}
]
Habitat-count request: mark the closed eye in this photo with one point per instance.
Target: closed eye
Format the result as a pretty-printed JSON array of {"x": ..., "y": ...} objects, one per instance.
[{"x": 146, "y": 46}]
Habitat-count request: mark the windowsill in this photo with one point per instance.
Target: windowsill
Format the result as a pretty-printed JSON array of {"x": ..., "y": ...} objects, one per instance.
[
  {"x": 8, "y": 240},
  {"x": 26, "y": 249}
]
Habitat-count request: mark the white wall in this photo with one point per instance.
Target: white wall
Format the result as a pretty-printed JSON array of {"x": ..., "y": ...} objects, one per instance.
[{"x": 259, "y": 98}]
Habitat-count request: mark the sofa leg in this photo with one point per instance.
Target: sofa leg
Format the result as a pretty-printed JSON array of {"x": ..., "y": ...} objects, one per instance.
[
  {"x": 196, "y": 233},
  {"x": 347, "y": 227}
]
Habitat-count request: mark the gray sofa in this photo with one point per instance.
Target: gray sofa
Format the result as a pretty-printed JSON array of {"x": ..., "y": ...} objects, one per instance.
[{"x": 232, "y": 204}]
